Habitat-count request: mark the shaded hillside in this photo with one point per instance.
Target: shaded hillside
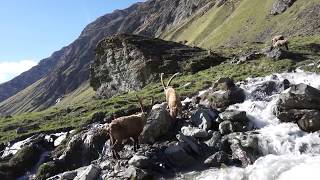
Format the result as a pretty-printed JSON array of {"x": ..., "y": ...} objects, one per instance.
[{"x": 71, "y": 68}]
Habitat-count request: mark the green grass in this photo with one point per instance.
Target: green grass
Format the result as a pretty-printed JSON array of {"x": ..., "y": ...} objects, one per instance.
[{"x": 240, "y": 21}]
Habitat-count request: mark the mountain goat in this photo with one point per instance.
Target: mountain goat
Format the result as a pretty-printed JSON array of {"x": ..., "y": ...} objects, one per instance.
[
  {"x": 127, "y": 127},
  {"x": 172, "y": 97}
]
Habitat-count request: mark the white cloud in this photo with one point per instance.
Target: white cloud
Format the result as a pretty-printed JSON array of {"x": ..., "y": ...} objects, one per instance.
[{"x": 9, "y": 70}]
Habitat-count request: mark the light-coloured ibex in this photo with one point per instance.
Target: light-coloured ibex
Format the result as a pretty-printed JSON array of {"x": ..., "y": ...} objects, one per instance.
[
  {"x": 127, "y": 127},
  {"x": 172, "y": 97}
]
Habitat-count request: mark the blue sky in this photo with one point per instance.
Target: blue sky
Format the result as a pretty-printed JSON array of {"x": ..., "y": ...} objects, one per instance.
[{"x": 31, "y": 30}]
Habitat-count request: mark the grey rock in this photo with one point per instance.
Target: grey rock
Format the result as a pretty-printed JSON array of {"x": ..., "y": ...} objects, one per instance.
[
  {"x": 226, "y": 127},
  {"x": 157, "y": 125},
  {"x": 234, "y": 116},
  {"x": 192, "y": 142},
  {"x": 217, "y": 159},
  {"x": 280, "y": 6},
  {"x": 244, "y": 147},
  {"x": 220, "y": 3},
  {"x": 194, "y": 132},
  {"x": 98, "y": 117},
  {"x": 215, "y": 140},
  {"x": 140, "y": 161},
  {"x": 299, "y": 96},
  {"x": 277, "y": 54},
  {"x": 178, "y": 155},
  {"x": 203, "y": 118},
  {"x": 69, "y": 175},
  {"x": 310, "y": 121},
  {"x": 90, "y": 173}
]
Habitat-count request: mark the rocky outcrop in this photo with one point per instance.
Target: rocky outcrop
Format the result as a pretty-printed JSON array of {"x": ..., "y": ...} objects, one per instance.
[
  {"x": 281, "y": 6},
  {"x": 300, "y": 104},
  {"x": 129, "y": 62}
]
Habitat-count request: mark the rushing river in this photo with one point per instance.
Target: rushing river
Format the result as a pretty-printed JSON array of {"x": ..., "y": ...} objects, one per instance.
[{"x": 288, "y": 152}]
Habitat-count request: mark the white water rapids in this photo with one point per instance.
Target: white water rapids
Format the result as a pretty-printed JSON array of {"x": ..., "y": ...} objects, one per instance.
[{"x": 288, "y": 152}]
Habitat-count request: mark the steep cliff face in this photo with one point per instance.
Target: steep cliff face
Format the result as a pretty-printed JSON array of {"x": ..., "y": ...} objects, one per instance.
[
  {"x": 67, "y": 71},
  {"x": 129, "y": 62}
]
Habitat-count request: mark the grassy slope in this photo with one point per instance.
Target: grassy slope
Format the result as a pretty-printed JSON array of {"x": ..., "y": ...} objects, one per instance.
[
  {"x": 213, "y": 29},
  {"x": 238, "y": 21}
]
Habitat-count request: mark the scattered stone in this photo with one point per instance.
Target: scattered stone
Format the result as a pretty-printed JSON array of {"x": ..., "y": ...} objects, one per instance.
[
  {"x": 194, "y": 132},
  {"x": 90, "y": 173},
  {"x": 280, "y": 6},
  {"x": 177, "y": 155},
  {"x": 226, "y": 127},
  {"x": 140, "y": 161},
  {"x": 217, "y": 159},
  {"x": 192, "y": 142},
  {"x": 277, "y": 54},
  {"x": 69, "y": 175},
  {"x": 204, "y": 118},
  {"x": 215, "y": 140}
]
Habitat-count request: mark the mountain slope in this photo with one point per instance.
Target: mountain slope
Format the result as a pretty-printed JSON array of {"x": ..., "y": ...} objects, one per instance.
[
  {"x": 71, "y": 68},
  {"x": 238, "y": 21},
  {"x": 227, "y": 23}
]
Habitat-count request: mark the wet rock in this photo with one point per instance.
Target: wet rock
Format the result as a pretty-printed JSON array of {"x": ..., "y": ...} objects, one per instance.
[
  {"x": 194, "y": 132},
  {"x": 262, "y": 92},
  {"x": 90, "y": 173},
  {"x": 232, "y": 95},
  {"x": 310, "y": 121},
  {"x": 204, "y": 118},
  {"x": 132, "y": 173},
  {"x": 192, "y": 142},
  {"x": 215, "y": 141},
  {"x": 226, "y": 127},
  {"x": 158, "y": 124},
  {"x": 69, "y": 175},
  {"x": 234, "y": 116},
  {"x": 280, "y": 6},
  {"x": 82, "y": 148},
  {"x": 140, "y": 161},
  {"x": 299, "y": 96},
  {"x": 22, "y": 161},
  {"x": 293, "y": 115},
  {"x": 177, "y": 155},
  {"x": 217, "y": 159},
  {"x": 244, "y": 147}
]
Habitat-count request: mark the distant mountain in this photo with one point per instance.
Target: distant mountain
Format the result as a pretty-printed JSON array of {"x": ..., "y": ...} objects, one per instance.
[{"x": 68, "y": 68}]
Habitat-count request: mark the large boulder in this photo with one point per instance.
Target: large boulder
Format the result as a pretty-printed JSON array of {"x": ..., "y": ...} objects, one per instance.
[
  {"x": 264, "y": 91},
  {"x": 234, "y": 121},
  {"x": 194, "y": 132},
  {"x": 300, "y": 104},
  {"x": 310, "y": 121},
  {"x": 178, "y": 155},
  {"x": 300, "y": 96},
  {"x": 129, "y": 62},
  {"x": 280, "y": 6},
  {"x": 158, "y": 124},
  {"x": 231, "y": 94}
]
